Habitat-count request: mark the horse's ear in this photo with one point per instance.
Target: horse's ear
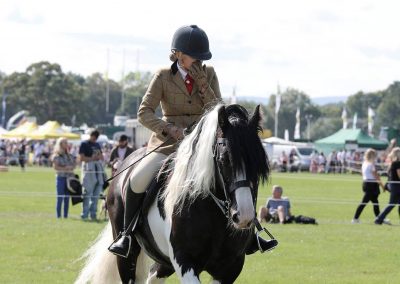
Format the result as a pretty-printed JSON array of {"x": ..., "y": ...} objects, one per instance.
[
  {"x": 255, "y": 119},
  {"x": 223, "y": 118}
]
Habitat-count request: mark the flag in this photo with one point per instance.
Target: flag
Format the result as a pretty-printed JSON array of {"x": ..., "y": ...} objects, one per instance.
[
  {"x": 286, "y": 134},
  {"x": 297, "y": 127},
  {"x": 3, "y": 110},
  {"x": 355, "y": 121},
  {"x": 277, "y": 103},
  {"x": 371, "y": 115},
  {"x": 344, "y": 118},
  {"x": 233, "y": 97}
]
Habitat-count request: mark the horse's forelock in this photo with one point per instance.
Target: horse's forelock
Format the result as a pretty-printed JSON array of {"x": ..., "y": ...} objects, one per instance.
[{"x": 244, "y": 146}]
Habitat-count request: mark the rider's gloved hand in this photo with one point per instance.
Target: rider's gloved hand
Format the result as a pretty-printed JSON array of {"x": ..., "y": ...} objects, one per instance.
[
  {"x": 175, "y": 132},
  {"x": 199, "y": 75}
]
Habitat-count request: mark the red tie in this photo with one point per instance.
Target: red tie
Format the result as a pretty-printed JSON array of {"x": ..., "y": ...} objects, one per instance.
[{"x": 189, "y": 83}]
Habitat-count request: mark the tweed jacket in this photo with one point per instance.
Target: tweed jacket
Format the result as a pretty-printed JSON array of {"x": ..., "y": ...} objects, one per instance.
[{"x": 178, "y": 107}]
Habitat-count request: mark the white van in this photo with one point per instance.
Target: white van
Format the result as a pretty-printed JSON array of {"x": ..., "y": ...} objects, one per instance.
[{"x": 302, "y": 155}]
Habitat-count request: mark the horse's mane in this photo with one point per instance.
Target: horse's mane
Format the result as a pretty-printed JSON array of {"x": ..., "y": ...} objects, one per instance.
[{"x": 193, "y": 173}]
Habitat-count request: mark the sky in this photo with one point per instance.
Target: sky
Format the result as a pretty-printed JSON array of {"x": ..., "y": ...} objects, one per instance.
[{"x": 323, "y": 48}]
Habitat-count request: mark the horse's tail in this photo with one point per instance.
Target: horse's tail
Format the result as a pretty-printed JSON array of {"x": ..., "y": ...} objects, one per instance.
[{"x": 100, "y": 265}]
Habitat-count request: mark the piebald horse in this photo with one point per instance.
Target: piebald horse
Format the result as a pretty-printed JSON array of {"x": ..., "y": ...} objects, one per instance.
[{"x": 198, "y": 212}]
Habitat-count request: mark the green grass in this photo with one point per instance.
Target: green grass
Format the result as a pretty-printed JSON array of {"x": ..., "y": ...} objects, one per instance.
[{"x": 35, "y": 247}]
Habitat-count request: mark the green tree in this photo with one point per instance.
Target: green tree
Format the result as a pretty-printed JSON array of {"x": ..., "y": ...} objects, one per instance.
[
  {"x": 329, "y": 122},
  {"x": 45, "y": 91},
  {"x": 94, "y": 99},
  {"x": 136, "y": 84},
  {"x": 387, "y": 113}
]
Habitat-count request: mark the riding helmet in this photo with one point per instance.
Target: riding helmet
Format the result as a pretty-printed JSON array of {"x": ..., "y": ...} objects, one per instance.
[{"x": 193, "y": 41}]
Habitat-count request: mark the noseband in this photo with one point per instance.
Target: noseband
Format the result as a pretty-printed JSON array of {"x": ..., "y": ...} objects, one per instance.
[{"x": 225, "y": 205}]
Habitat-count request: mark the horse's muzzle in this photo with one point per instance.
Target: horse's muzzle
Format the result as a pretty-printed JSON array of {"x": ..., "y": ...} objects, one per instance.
[{"x": 240, "y": 223}]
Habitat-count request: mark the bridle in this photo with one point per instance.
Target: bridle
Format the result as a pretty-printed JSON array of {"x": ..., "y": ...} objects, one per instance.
[{"x": 225, "y": 205}]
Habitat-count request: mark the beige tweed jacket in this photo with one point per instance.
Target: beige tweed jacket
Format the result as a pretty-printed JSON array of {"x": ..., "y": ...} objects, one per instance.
[{"x": 179, "y": 108}]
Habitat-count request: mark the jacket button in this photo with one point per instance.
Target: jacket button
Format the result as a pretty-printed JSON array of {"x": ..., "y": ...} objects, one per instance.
[{"x": 189, "y": 102}]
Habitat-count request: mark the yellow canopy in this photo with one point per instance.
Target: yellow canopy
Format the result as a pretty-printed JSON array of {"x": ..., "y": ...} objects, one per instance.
[
  {"x": 21, "y": 131},
  {"x": 51, "y": 130}
]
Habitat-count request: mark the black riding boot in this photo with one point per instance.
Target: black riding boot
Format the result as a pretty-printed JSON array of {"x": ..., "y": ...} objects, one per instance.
[
  {"x": 133, "y": 203},
  {"x": 264, "y": 245}
]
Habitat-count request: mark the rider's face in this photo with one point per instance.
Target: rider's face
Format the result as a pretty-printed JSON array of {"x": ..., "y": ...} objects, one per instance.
[{"x": 185, "y": 61}]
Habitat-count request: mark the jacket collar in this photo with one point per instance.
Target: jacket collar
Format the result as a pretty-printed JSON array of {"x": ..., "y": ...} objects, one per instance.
[{"x": 174, "y": 67}]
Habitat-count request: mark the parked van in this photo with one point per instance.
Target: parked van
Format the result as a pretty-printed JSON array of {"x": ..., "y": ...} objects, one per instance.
[{"x": 301, "y": 156}]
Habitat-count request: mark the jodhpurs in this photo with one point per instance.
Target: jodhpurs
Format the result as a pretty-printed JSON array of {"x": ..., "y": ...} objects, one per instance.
[{"x": 145, "y": 171}]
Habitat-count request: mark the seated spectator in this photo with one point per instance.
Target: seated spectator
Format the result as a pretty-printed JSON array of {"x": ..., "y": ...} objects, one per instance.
[
  {"x": 277, "y": 208},
  {"x": 283, "y": 160}
]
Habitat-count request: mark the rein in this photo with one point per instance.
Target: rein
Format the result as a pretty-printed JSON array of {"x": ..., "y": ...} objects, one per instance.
[{"x": 137, "y": 161}]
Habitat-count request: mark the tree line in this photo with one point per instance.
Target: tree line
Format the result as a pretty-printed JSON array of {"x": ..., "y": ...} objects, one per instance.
[{"x": 48, "y": 93}]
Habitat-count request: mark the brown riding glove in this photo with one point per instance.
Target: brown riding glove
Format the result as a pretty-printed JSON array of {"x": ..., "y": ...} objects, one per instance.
[
  {"x": 175, "y": 132},
  {"x": 199, "y": 75}
]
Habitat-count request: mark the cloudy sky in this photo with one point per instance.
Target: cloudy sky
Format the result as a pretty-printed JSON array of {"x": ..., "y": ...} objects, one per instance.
[{"x": 324, "y": 48}]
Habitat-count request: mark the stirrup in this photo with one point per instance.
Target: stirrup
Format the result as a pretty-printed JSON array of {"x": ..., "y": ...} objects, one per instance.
[
  {"x": 259, "y": 230},
  {"x": 120, "y": 235}
]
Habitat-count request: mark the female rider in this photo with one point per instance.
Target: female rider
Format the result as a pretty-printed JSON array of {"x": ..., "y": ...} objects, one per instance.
[{"x": 184, "y": 91}]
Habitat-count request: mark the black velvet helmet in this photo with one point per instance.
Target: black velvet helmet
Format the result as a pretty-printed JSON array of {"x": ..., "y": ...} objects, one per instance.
[{"x": 193, "y": 41}]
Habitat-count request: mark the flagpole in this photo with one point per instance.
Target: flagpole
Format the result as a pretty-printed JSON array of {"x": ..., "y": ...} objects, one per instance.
[
  {"x": 123, "y": 84},
  {"x": 107, "y": 83}
]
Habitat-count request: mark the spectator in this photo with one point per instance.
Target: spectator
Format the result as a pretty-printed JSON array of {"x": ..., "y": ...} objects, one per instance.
[
  {"x": 93, "y": 175},
  {"x": 393, "y": 185},
  {"x": 119, "y": 153},
  {"x": 292, "y": 161},
  {"x": 21, "y": 154},
  {"x": 332, "y": 162},
  {"x": 314, "y": 162},
  {"x": 64, "y": 164},
  {"x": 283, "y": 159},
  {"x": 321, "y": 162},
  {"x": 277, "y": 208},
  {"x": 370, "y": 185}
]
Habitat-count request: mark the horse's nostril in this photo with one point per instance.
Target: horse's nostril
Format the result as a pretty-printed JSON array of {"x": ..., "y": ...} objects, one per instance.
[{"x": 235, "y": 217}]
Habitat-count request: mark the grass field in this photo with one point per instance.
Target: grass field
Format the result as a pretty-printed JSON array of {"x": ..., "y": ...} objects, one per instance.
[{"x": 35, "y": 247}]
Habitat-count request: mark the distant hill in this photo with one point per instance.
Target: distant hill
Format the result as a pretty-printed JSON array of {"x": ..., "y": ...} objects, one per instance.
[
  {"x": 328, "y": 100},
  {"x": 259, "y": 100},
  {"x": 319, "y": 101}
]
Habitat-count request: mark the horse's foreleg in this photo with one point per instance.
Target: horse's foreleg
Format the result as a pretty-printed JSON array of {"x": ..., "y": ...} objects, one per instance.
[
  {"x": 227, "y": 271},
  {"x": 184, "y": 268}
]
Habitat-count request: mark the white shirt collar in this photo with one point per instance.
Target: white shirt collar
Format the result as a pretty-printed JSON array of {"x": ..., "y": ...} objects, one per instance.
[{"x": 181, "y": 71}]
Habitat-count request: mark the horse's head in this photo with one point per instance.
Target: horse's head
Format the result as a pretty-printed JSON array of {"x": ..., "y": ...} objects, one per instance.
[{"x": 241, "y": 161}]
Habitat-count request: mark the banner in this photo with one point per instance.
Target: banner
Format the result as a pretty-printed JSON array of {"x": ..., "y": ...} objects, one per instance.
[
  {"x": 355, "y": 121},
  {"x": 297, "y": 127},
  {"x": 344, "y": 118},
  {"x": 371, "y": 115},
  {"x": 277, "y": 103}
]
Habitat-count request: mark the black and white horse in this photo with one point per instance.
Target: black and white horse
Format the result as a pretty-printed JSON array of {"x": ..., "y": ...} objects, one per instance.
[{"x": 200, "y": 218}]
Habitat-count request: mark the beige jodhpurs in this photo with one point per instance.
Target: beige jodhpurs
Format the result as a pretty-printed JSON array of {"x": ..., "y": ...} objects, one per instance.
[{"x": 145, "y": 171}]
